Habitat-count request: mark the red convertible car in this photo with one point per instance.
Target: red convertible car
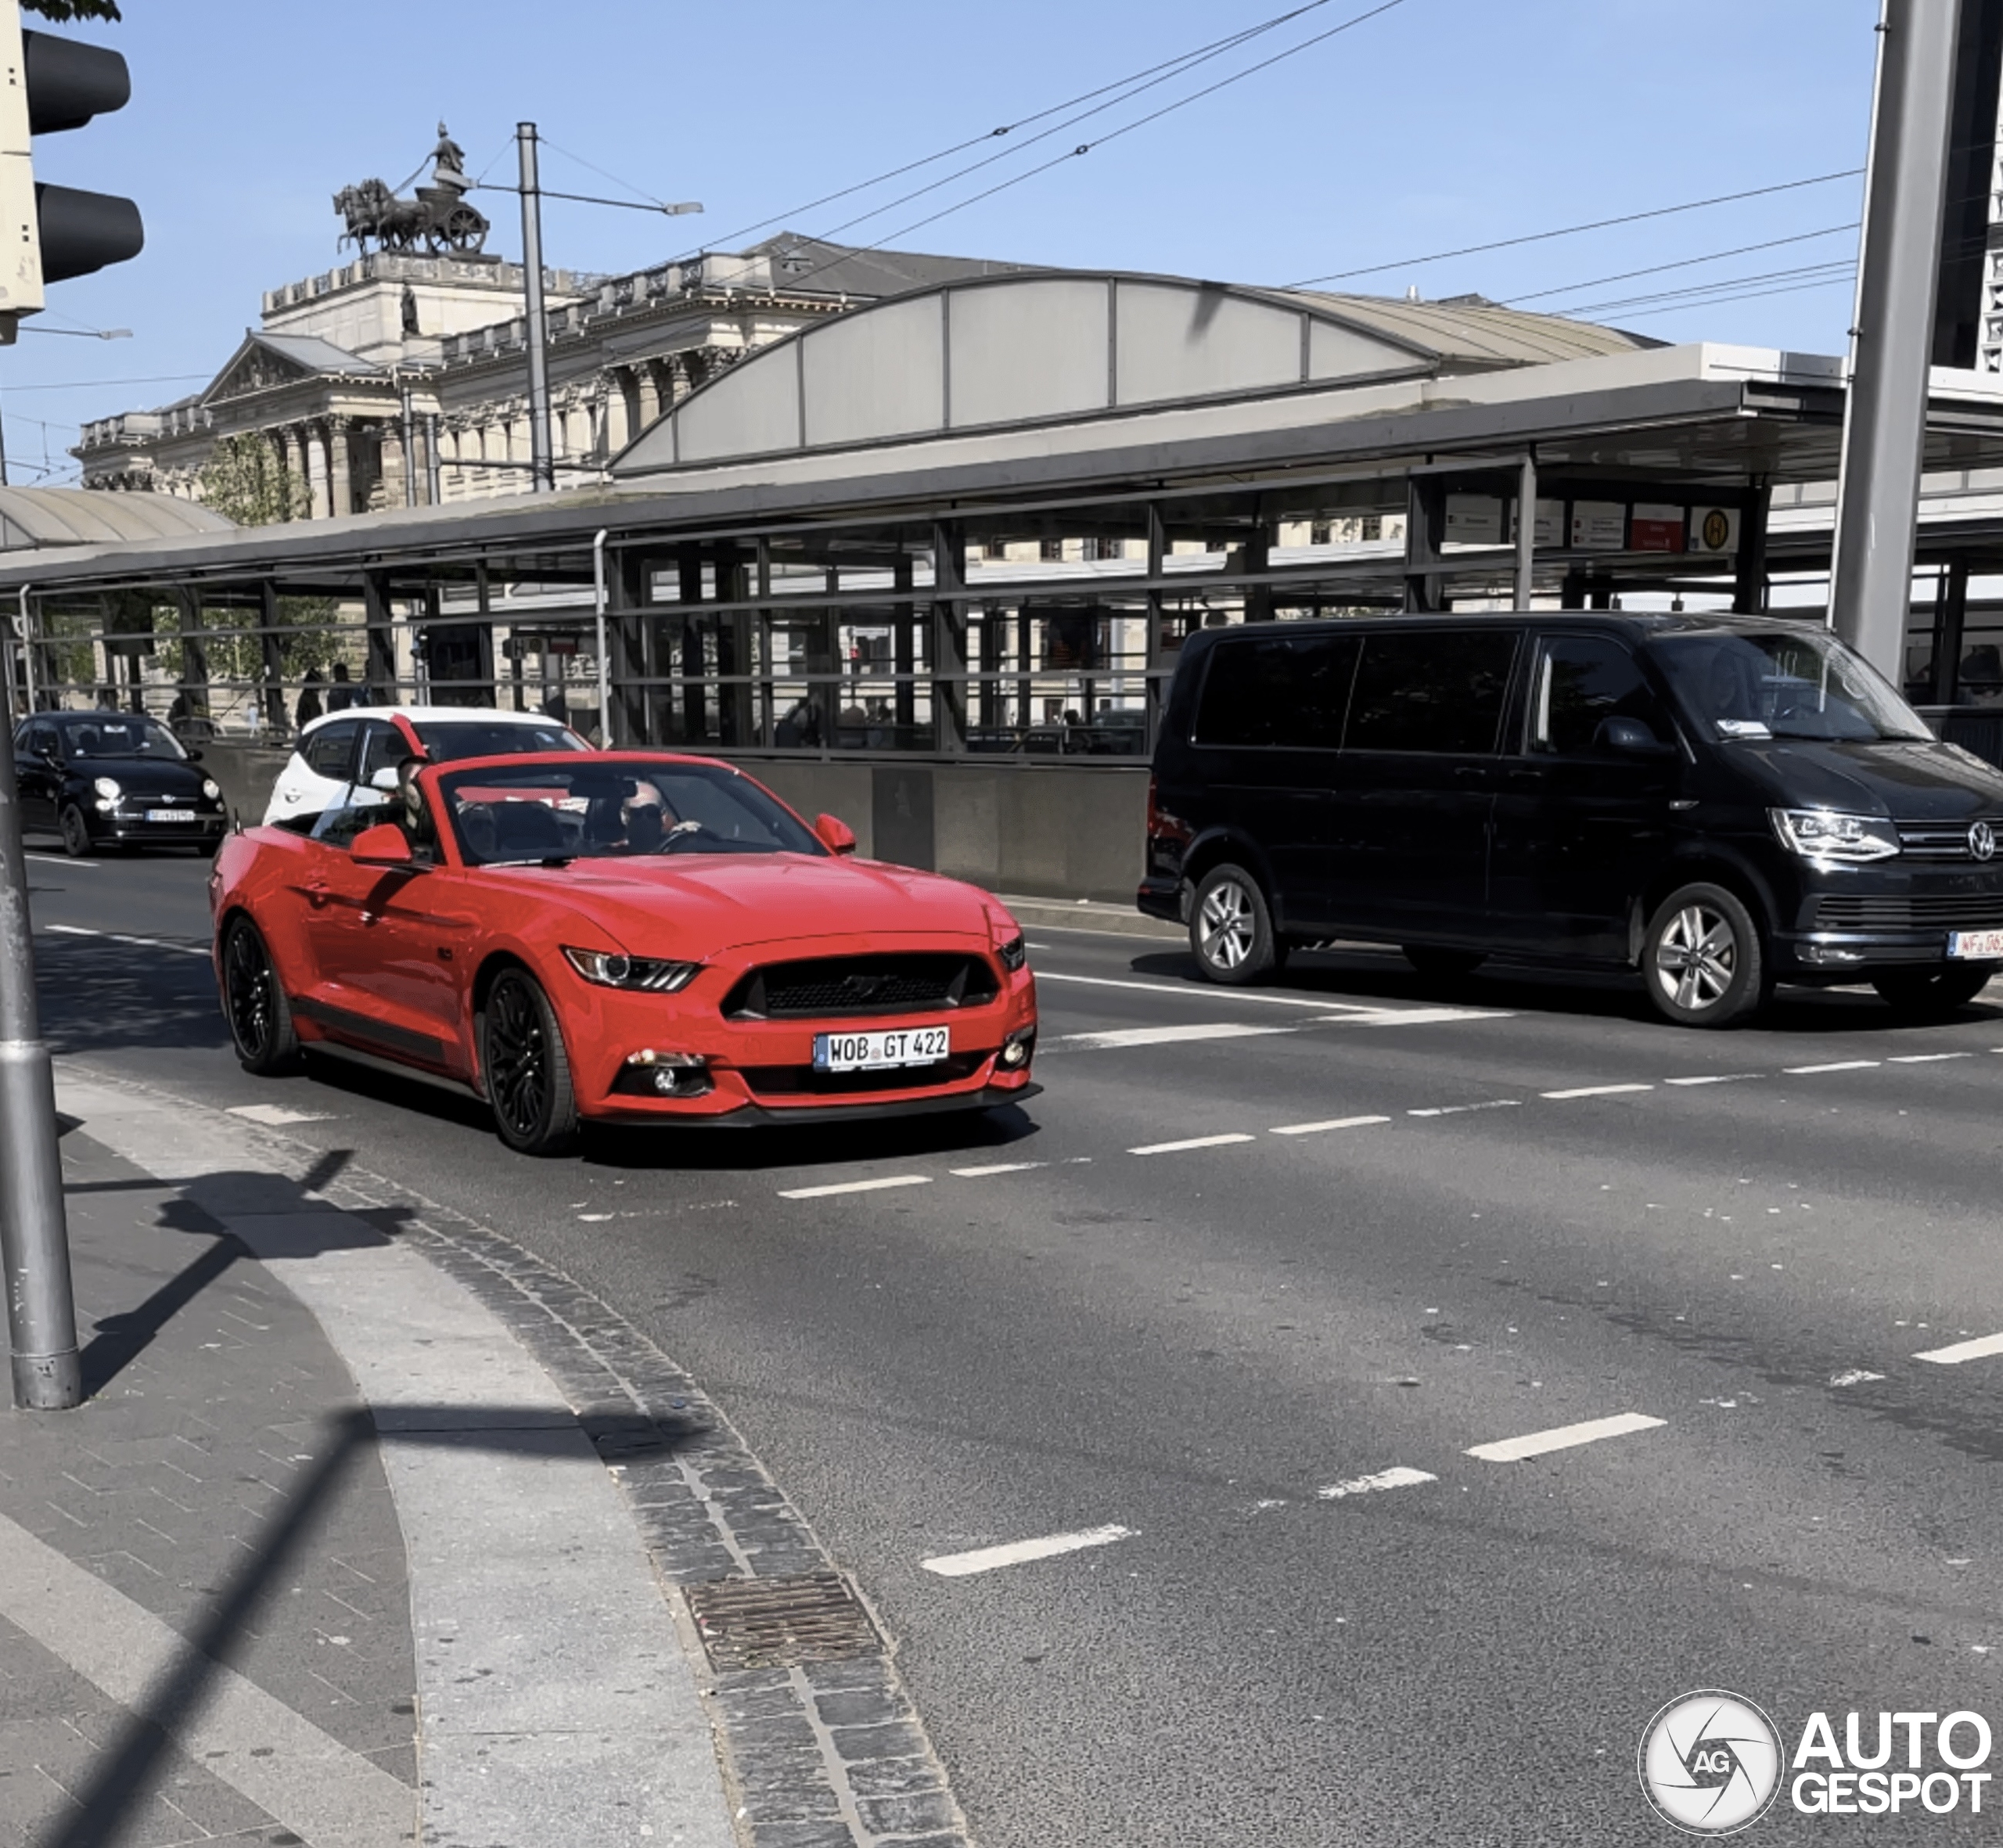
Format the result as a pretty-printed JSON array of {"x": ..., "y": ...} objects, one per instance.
[{"x": 620, "y": 936}]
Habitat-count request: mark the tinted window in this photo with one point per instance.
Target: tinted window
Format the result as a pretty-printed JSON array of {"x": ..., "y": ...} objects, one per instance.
[
  {"x": 1579, "y": 681},
  {"x": 1277, "y": 690},
  {"x": 383, "y": 748},
  {"x": 42, "y": 741},
  {"x": 449, "y": 739},
  {"x": 1783, "y": 683},
  {"x": 1433, "y": 692},
  {"x": 113, "y": 734},
  {"x": 330, "y": 751}
]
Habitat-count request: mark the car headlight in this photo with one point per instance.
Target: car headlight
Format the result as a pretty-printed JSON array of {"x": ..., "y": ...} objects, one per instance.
[
  {"x": 612, "y": 968},
  {"x": 211, "y": 789},
  {"x": 108, "y": 787},
  {"x": 1014, "y": 953},
  {"x": 1822, "y": 834}
]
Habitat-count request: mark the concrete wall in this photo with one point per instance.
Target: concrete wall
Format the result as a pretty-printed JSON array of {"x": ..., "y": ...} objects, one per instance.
[{"x": 1044, "y": 830}]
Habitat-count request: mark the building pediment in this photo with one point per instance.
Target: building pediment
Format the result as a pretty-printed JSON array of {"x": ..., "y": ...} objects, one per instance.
[{"x": 265, "y": 363}]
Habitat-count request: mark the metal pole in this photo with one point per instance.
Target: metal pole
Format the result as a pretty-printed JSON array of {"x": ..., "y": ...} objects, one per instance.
[
  {"x": 34, "y": 1235},
  {"x": 543, "y": 478},
  {"x": 604, "y": 664},
  {"x": 1885, "y": 418},
  {"x": 1526, "y": 531},
  {"x": 433, "y": 476},
  {"x": 26, "y": 629},
  {"x": 410, "y": 449}
]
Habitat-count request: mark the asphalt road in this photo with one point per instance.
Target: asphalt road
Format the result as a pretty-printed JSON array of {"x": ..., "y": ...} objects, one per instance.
[{"x": 1412, "y": 1222}]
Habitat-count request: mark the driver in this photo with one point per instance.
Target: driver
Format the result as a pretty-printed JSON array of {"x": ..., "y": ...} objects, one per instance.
[{"x": 645, "y": 820}]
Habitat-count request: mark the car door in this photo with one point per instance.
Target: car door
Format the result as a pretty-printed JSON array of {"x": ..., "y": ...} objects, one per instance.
[
  {"x": 1267, "y": 722},
  {"x": 1408, "y": 850},
  {"x": 1580, "y": 825}
]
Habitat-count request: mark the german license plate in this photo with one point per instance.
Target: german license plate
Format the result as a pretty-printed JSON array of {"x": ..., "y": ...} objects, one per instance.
[
  {"x": 880, "y": 1051},
  {"x": 1980, "y": 946},
  {"x": 170, "y": 814}
]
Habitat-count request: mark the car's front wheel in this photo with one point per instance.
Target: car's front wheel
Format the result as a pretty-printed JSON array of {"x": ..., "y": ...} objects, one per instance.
[
  {"x": 1231, "y": 929},
  {"x": 254, "y": 999},
  {"x": 1702, "y": 958},
  {"x": 76, "y": 832},
  {"x": 1929, "y": 993},
  {"x": 526, "y": 1067}
]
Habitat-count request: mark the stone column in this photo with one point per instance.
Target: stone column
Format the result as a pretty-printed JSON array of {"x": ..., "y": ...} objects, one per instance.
[
  {"x": 340, "y": 487},
  {"x": 313, "y": 446},
  {"x": 613, "y": 398},
  {"x": 647, "y": 387}
]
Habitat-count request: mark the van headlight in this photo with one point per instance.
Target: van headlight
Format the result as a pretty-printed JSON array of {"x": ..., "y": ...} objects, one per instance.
[
  {"x": 1823, "y": 834},
  {"x": 611, "y": 969}
]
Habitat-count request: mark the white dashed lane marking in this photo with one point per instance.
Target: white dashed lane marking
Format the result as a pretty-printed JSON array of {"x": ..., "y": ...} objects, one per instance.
[
  {"x": 1191, "y": 1142},
  {"x": 1206, "y": 992},
  {"x": 1853, "y": 1376},
  {"x": 998, "y": 1167},
  {"x": 277, "y": 1115},
  {"x": 1925, "y": 1058},
  {"x": 1315, "y": 1129},
  {"x": 1717, "y": 1078},
  {"x": 1500, "y": 1103},
  {"x": 875, "y": 1186},
  {"x": 119, "y": 936},
  {"x": 1980, "y": 1349},
  {"x": 1162, "y": 1036},
  {"x": 1594, "y": 1091},
  {"x": 1411, "y": 1016},
  {"x": 63, "y": 860},
  {"x": 1840, "y": 1065},
  {"x": 1401, "y": 1478},
  {"x": 1515, "y": 1450},
  {"x": 959, "y": 1565}
]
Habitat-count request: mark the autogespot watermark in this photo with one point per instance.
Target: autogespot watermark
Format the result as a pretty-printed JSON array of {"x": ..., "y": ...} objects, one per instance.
[{"x": 1712, "y": 1764}]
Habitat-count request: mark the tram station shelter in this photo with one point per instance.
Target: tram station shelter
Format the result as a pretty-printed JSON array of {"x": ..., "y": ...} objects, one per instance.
[{"x": 928, "y": 565}]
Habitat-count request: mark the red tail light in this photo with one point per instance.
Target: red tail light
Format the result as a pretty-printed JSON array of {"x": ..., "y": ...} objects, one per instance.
[{"x": 1163, "y": 826}]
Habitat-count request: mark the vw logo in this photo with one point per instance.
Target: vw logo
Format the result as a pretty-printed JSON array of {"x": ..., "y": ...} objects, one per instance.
[{"x": 1982, "y": 840}]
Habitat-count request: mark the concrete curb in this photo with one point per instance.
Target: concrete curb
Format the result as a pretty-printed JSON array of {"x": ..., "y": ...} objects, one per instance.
[{"x": 1082, "y": 914}]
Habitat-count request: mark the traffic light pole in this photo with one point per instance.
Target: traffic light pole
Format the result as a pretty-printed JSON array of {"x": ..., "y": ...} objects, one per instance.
[
  {"x": 34, "y": 1235},
  {"x": 542, "y": 459}
]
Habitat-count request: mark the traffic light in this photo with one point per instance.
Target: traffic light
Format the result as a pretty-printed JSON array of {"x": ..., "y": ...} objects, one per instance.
[{"x": 48, "y": 234}]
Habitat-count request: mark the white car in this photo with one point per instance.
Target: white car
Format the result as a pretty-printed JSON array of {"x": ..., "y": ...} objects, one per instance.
[{"x": 349, "y": 758}]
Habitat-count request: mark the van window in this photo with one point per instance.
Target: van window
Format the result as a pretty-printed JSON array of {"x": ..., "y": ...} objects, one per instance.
[
  {"x": 1286, "y": 690},
  {"x": 1579, "y": 680},
  {"x": 1435, "y": 691}
]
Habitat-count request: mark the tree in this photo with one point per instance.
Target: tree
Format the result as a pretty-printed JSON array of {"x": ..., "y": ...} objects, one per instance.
[
  {"x": 245, "y": 480},
  {"x": 61, "y": 10}
]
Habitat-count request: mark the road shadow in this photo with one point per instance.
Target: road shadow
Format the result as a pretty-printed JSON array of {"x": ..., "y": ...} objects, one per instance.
[{"x": 101, "y": 997}]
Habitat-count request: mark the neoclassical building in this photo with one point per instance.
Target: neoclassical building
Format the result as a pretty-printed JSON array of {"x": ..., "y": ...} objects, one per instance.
[{"x": 401, "y": 380}]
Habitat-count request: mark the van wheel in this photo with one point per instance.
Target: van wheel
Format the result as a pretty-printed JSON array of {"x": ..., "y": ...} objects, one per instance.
[
  {"x": 1701, "y": 958},
  {"x": 1928, "y": 993},
  {"x": 1443, "y": 965},
  {"x": 1231, "y": 930}
]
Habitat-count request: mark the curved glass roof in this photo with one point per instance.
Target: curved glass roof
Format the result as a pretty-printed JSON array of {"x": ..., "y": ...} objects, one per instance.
[{"x": 33, "y": 517}]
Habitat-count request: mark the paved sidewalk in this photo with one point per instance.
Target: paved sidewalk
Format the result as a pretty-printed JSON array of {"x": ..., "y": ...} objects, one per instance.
[{"x": 204, "y": 1621}]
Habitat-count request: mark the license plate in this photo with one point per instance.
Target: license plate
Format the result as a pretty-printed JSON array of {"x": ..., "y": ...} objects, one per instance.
[
  {"x": 170, "y": 814},
  {"x": 878, "y": 1051},
  {"x": 1980, "y": 946}
]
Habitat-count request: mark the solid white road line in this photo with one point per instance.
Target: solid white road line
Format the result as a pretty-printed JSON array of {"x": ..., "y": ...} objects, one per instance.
[
  {"x": 1841, "y": 1065},
  {"x": 277, "y": 1115},
  {"x": 816, "y": 1193},
  {"x": 1717, "y": 1078},
  {"x": 1596, "y": 1090},
  {"x": 1500, "y": 1103},
  {"x": 1515, "y": 1449},
  {"x": 1400, "y": 1478},
  {"x": 1206, "y": 991},
  {"x": 1314, "y": 1129},
  {"x": 1977, "y": 1350},
  {"x": 1193, "y": 1142},
  {"x": 998, "y": 1167},
  {"x": 958, "y": 1566},
  {"x": 1925, "y": 1058},
  {"x": 1412, "y": 1016},
  {"x": 1160, "y": 1036},
  {"x": 62, "y": 860},
  {"x": 119, "y": 936}
]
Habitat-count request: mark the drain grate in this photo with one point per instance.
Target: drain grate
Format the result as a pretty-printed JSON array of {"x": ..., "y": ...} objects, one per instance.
[{"x": 778, "y": 1622}]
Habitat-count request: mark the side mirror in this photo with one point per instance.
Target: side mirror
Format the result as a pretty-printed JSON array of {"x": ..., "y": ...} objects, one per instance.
[
  {"x": 386, "y": 844},
  {"x": 1631, "y": 738},
  {"x": 194, "y": 756},
  {"x": 837, "y": 836},
  {"x": 385, "y": 778}
]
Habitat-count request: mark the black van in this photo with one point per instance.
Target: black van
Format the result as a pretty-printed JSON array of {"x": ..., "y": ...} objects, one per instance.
[{"x": 1722, "y": 802}]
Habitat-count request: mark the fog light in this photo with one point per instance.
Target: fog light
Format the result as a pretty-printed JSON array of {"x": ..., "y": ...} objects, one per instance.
[
  {"x": 1824, "y": 955},
  {"x": 1015, "y": 1049}
]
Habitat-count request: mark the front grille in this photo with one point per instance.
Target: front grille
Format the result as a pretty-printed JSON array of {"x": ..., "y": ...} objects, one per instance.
[
  {"x": 1929, "y": 910},
  {"x": 1940, "y": 840},
  {"x": 804, "y": 1080},
  {"x": 834, "y": 988}
]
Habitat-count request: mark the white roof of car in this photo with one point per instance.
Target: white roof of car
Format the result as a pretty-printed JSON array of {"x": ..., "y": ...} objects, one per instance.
[{"x": 425, "y": 715}]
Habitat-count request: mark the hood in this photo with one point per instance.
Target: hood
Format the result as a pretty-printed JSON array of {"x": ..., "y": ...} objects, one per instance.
[
  {"x": 145, "y": 776},
  {"x": 1909, "y": 781},
  {"x": 694, "y": 904}
]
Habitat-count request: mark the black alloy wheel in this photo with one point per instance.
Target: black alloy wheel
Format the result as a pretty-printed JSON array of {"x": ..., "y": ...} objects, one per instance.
[
  {"x": 1931, "y": 994},
  {"x": 254, "y": 1000},
  {"x": 1443, "y": 965},
  {"x": 1231, "y": 929},
  {"x": 1702, "y": 959},
  {"x": 76, "y": 832},
  {"x": 527, "y": 1068}
]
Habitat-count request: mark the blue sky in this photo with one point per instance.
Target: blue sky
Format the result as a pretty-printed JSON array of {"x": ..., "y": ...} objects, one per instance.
[{"x": 1439, "y": 123}]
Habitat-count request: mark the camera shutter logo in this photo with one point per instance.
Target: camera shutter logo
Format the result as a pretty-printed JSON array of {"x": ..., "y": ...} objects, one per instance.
[
  {"x": 1982, "y": 841},
  {"x": 1711, "y": 1763}
]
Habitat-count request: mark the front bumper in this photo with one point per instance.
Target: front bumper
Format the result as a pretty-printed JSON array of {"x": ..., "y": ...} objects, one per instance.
[
  {"x": 136, "y": 831},
  {"x": 987, "y": 1097}
]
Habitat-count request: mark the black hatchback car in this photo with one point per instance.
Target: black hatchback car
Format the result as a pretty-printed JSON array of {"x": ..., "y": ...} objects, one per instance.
[
  {"x": 114, "y": 778},
  {"x": 1720, "y": 802}
]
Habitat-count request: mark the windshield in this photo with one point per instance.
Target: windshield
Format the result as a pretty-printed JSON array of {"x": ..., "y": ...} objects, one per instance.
[
  {"x": 614, "y": 809},
  {"x": 1783, "y": 683},
  {"x": 447, "y": 740},
  {"x": 110, "y": 734}
]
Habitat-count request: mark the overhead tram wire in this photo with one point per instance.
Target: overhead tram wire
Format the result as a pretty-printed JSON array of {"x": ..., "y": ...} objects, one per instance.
[
  {"x": 1806, "y": 275},
  {"x": 1185, "y": 58},
  {"x": 1657, "y": 269},
  {"x": 1087, "y": 147}
]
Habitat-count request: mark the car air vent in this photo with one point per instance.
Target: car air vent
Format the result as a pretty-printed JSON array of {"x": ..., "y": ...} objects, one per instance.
[
  {"x": 1929, "y": 910},
  {"x": 841, "y": 987}
]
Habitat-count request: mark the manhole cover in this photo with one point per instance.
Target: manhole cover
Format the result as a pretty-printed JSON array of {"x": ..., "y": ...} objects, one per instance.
[{"x": 776, "y": 1623}]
